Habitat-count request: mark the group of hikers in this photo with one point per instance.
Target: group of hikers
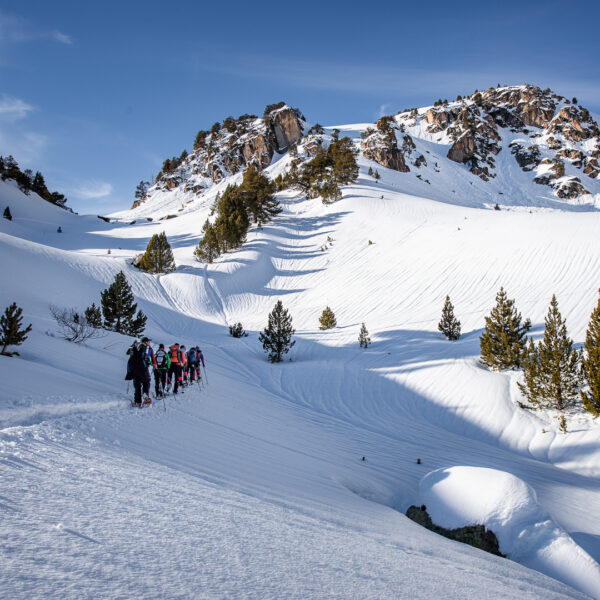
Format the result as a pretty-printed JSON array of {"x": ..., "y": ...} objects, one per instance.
[{"x": 176, "y": 367}]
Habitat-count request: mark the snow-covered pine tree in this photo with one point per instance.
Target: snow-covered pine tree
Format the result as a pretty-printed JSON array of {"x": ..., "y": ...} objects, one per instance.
[
  {"x": 277, "y": 336},
  {"x": 551, "y": 369},
  {"x": 158, "y": 257},
  {"x": 449, "y": 325},
  {"x": 118, "y": 308},
  {"x": 363, "y": 337},
  {"x": 591, "y": 364},
  {"x": 327, "y": 319},
  {"x": 93, "y": 316},
  {"x": 7, "y": 214},
  {"x": 504, "y": 339},
  {"x": 11, "y": 333}
]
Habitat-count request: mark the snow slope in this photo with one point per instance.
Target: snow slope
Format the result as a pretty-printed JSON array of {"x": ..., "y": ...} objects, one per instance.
[{"x": 254, "y": 485}]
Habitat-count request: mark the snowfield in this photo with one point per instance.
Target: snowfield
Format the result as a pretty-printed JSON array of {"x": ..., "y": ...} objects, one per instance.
[{"x": 255, "y": 485}]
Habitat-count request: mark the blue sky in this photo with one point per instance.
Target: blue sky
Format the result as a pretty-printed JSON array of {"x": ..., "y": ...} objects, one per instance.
[{"x": 97, "y": 94}]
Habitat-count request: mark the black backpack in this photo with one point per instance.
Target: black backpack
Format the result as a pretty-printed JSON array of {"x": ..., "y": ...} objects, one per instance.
[
  {"x": 161, "y": 359},
  {"x": 137, "y": 359}
]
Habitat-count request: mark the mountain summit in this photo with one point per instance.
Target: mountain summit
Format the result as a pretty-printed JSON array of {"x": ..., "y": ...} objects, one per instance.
[{"x": 523, "y": 145}]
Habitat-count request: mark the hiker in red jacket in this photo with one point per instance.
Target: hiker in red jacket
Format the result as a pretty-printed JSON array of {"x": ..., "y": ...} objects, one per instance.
[{"x": 184, "y": 365}]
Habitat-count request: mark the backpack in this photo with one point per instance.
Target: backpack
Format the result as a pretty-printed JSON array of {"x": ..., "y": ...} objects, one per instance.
[
  {"x": 192, "y": 355},
  {"x": 137, "y": 359},
  {"x": 174, "y": 354},
  {"x": 161, "y": 359}
]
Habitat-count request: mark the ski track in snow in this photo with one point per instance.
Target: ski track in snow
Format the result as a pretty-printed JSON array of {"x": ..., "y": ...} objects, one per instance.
[{"x": 253, "y": 486}]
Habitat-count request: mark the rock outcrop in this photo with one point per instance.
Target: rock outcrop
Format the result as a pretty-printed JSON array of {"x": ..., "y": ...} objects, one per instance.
[
  {"x": 554, "y": 139},
  {"x": 463, "y": 149},
  {"x": 474, "y": 535},
  {"x": 233, "y": 146},
  {"x": 548, "y": 127},
  {"x": 381, "y": 146}
]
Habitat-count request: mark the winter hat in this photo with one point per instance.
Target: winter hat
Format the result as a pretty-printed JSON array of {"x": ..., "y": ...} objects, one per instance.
[
  {"x": 145, "y": 339},
  {"x": 161, "y": 346}
]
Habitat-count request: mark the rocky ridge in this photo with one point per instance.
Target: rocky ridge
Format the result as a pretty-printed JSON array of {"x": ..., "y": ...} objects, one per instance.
[
  {"x": 546, "y": 131},
  {"x": 552, "y": 139},
  {"x": 231, "y": 147}
]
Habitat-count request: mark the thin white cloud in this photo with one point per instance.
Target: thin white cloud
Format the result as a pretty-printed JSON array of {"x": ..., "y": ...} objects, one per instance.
[
  {"x": 405, "y": 83},
  {"x": 62, "y": 38},
  {"x": 92, "y": 190},
  {"x": 26, "y": 146},
  {"x": 15, "y": 29},
  {"x": 13, "y": 109}
]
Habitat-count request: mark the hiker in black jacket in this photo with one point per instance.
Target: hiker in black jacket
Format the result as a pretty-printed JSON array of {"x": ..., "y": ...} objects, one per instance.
[{"x": 137, "y": 369}]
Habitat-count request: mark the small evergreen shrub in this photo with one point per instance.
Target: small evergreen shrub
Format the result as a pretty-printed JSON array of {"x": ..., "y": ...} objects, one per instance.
[
  {"x": 363, "y": 337},
  {"x": 118, "y": 308},
  {"x": 158, "y": 257},
  {"x": 276, "y": 338},
  {"x": 551, "y": 370},
  {"x": 237, "y": 331},
  {"x": 504, "y": 340},
  {"x": 11, "y": 333},
  {"x": 591, "y": 364},
  {"x": 93, "y": 315},
  {"x": 449, "y": 325},
  {"x": 327, "y": 319}
]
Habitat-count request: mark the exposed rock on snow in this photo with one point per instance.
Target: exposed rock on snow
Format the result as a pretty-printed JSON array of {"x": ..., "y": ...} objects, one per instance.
[
  {"x": 474, "y": 535},
  {"x": 460, "y": 496}
]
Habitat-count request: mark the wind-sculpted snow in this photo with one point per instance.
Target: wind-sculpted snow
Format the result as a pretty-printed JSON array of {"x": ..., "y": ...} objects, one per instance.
[
  {"x": 460, "y": 496},
  {"x": 254, "y": 486}
]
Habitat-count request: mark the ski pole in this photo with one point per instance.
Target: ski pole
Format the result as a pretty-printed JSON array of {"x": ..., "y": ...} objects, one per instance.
[{"x": 205, "y": 375}]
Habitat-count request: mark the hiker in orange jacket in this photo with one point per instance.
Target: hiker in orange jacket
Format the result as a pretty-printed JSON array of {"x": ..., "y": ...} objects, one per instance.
[{"x": 176, "y": 368}]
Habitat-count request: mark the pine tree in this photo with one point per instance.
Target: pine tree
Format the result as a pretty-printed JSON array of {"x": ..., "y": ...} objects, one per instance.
[
  {"x": 449, "y": 324},
  {"x": 93, "y": 316},
  {"x": 330, "y": 191},
  {"x": 141, "y": 191},
  {"x": 591, "y": 364},
  {"x": 7, "y": 214},
  {"x": 137, "y": 326},
  {"x": 11, "y": 333},
  {"x": 277, "y": 336},
  {"x": 258, "y": 195},
  {"x": 363, "y": 337},
  {"x": 118, "y": 308},
  {"x": 552, "y": 368},
  {"x": 327, "y": 319},
  {"x": 504, "y": 339},
  {"x": 158, "y": 257},
  {"x": 208, "y": 247},
  {"x": 38, "y": 185}
]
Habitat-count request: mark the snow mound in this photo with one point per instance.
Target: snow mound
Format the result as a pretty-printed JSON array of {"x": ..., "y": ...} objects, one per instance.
[{"x": 460, "y": 496}]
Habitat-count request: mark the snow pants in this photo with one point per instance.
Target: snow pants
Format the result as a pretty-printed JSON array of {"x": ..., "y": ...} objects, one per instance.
[
  {"x": 195, "y": 372},
  {"x": 141, "y": 383},
  {"x": 160, "y": 380},
  {"x": 175, "y": 373}
]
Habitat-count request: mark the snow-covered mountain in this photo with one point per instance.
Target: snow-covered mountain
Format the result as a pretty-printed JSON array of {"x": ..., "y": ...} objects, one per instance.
[
  {"x": 525, "y": 146},
  {"x": 255, "y": 485}
]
